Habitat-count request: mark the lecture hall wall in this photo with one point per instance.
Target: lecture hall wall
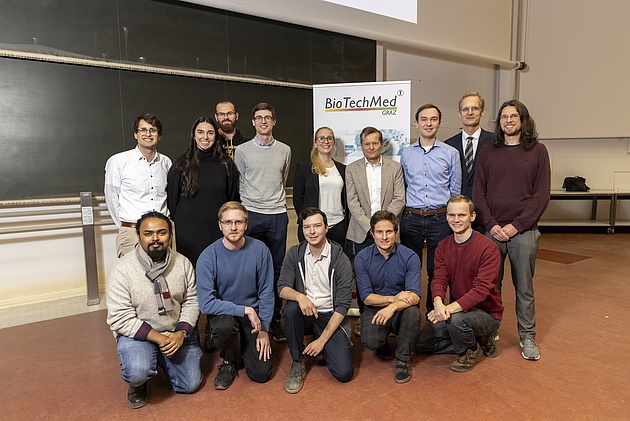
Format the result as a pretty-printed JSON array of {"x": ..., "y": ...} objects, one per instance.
[{"x": 49, "y": 265}]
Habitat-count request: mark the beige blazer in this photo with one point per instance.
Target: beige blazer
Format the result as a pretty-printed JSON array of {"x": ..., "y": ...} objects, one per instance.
[{"x": 358, "y": 195}]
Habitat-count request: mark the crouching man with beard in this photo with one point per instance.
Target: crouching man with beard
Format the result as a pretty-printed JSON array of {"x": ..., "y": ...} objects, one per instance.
[{"x": 152, "y": 309}]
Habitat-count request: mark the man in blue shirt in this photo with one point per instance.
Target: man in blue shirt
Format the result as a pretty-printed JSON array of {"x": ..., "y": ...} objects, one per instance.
[
  {"x": 433, "y": 174},
  {"x": 388, "y": 281},
  {"x": 235, "y": 284}
]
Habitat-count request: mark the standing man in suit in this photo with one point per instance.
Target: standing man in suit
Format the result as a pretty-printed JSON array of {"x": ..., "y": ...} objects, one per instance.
[
  {"x": 372, "y": 184},
  {"x": 471, "y": 139}
]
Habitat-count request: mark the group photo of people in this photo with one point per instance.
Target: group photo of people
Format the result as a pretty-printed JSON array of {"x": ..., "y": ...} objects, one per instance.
[{"x": 204, "y": 240}]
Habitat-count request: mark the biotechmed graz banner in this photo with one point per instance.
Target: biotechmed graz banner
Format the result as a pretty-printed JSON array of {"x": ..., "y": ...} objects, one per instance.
[{"x": 349, "y": 107}]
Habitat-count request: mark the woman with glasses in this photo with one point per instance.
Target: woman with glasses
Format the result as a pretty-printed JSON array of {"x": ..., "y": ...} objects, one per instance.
[
  {"x": 199, "y": 182},
  {"x": 319, "y": 182}
]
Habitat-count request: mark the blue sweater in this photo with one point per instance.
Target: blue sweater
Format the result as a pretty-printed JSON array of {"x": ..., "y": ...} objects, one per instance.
[{"x": 230, "y": 280}]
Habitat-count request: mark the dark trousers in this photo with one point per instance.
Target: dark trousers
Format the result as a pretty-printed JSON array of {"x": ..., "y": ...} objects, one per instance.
[
  {"x": 414, "y": 230},
  {"x": 405, "y": 324},
  {"x": 356, "y": 248},
  {"x": 457, "y": 334},
  {"x": 225, "y": 331},
  {"x": 337, "y": 351},
  {"x": 271, "y": 230}
]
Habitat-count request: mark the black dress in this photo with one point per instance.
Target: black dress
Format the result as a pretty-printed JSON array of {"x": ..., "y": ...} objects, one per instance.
[{"x": 196, "y": 220}]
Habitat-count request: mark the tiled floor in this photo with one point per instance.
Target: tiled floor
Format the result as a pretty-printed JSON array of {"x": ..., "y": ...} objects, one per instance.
[{"x": 67, "y": 368}]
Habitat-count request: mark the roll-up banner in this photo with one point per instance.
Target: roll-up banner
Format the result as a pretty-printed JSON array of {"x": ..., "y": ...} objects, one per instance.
[{"x": 349, "y": 107}]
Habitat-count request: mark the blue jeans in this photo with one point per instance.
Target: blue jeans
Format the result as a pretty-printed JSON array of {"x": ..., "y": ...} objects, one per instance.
[
  {"x": 139, "y": 360},
  {"x": 271, "y": 230},
  {"x": 522, "y": 250},
  {"x": 457, "y": 334},
  {"x": 414, "y": 230}
]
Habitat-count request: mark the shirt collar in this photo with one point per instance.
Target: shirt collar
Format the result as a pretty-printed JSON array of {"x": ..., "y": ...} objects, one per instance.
[
  {"x": 140, "y": 157},
  {"x": 325, "y": 251},
  {"x": 475, "y": 135},
  {"x": 259, "y": 143},
  {"x": 380, "y": 162}
]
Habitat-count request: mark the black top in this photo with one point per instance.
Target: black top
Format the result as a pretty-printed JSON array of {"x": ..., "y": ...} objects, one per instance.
[
  {"x": 196, "y": 220},
  {"x": 306, "y": 187}
]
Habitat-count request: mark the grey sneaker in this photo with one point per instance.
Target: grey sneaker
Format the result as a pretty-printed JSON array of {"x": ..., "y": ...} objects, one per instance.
[
  {"x": 488, "y": 346},
  {"x": 530, "y": 349},
  {"x": 295, "y": 379},
  {"x": 467, "y": 360},
  {"x": 357, "y": 328}
]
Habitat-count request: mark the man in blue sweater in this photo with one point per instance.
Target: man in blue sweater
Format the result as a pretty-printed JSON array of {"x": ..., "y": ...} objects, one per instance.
[{"x": 235, "y": 284}]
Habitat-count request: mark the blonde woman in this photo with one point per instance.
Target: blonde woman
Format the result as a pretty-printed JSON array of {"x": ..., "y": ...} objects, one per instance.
[{"x": 319, "y": 182}]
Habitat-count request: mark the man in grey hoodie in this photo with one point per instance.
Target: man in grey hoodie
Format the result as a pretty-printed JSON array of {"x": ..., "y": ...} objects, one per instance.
[{"x": 316, "y": 282}]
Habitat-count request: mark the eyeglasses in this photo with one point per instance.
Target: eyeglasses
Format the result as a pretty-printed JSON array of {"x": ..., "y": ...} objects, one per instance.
[
  {"x": 238, "y": 223},
  {"x": 510, "y": 117},
  {"x": 144, "y": 130},
  {"x": 228, "y": 114},
  {"x": 467, "y": 110},
  {"x": 260, "y": 118},
  {"x": 325, "y": 139}
]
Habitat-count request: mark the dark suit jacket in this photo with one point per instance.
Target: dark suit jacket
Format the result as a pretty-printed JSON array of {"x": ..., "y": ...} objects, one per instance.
[
  {"x": 468, "y": 179},
  {"x": 306, "y": 187},
  {"x": 392, "y": 195}
]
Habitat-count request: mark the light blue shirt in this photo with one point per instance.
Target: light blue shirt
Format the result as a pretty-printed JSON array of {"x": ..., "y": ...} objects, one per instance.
[{"x": 431, "y": 177}]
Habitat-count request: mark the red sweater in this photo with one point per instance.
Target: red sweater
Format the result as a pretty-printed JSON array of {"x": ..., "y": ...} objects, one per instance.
[
  {"x": 512, "y": 186},
  {"x": 470, "y": 269}
]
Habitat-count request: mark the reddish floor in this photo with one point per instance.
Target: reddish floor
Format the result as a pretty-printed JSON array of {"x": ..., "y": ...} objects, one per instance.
[{"x": 68, "y": 369}]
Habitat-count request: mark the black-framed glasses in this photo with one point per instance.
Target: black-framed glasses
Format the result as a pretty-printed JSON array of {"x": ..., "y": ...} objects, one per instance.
[
  {"x": 144, "y": 130},
  {"x": 325, "y": 139}
]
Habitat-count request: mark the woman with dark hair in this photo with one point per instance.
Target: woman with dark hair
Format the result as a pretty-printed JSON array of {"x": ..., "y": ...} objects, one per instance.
[
  {"x": 199, "y": 182},
  {"x": 320, "y": 183}
]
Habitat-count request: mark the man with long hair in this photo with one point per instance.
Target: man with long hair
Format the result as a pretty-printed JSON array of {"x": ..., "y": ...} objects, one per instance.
[{"x": 511, "y": 192}]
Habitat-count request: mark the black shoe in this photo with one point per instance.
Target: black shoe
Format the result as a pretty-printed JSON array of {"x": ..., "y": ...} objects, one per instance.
[
  {"x": 137, "y": 396},
  {"x": 277, "y": 331},
  {"x": 225, "y": 376},
  {"x": 488, "y": 346},
  {"x": 384, "y": 352},
  {"x": 208, "y": 343},
  {"x": 402, "y": 375}
]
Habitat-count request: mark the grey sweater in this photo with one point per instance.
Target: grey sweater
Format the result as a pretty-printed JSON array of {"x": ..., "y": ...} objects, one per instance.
[
  {"x": 264, "y": 172},
  {"x": 131, "y": 306}
]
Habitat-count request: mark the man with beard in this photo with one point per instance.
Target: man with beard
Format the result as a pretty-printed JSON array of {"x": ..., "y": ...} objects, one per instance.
[
  {"x": 152, "y": 310},
  {"x": 512, "y": 188},
  {"x": 226, "y": 117},
  {"x": 235, "y": 277}
]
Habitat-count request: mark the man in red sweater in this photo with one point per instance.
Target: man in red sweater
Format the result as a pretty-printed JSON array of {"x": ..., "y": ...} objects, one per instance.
[
  {"x": 511, "y": 192},
  {"x": 467, "y": 263}
]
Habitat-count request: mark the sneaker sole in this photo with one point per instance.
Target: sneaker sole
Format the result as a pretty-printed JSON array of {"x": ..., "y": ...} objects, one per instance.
[
  {"x": 294, "y": 391},
  {"x": 526, "y": 357},
  {"x": 402, "y": 381}
]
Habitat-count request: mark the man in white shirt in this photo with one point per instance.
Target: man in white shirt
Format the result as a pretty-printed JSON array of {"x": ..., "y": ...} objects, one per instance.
[
  {"x": 135, "y": 181},
  {"x": 372, "y": 184},
  {"x": 316, "y": 282}
]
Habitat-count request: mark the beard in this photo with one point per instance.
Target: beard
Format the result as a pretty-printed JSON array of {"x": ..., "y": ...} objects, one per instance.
[
  {"x": 156, "y": 254},
  {"x": 227, "y": 126}
]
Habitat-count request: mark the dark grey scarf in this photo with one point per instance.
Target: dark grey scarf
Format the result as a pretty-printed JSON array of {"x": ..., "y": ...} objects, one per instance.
[{"x": 153, "y": 272}]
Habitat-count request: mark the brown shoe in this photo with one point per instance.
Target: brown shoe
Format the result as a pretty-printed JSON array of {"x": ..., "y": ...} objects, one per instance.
[
  {"x": 467, "y": 360},
  {"x": 488, "y": 346}
]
